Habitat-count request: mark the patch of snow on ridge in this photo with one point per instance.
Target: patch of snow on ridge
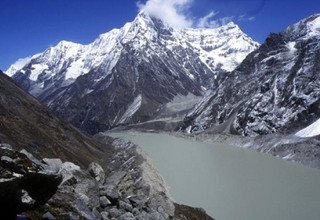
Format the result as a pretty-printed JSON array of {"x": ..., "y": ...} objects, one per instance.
[
  {"x": 133, "y": 108},
  {"x": 314, "y": 26},
  {"x": 310, "y": 131},
  {"x": 19, "y": 64},
  {"x": 37, "y": 70},
  {"x": 291, "y": 47}
]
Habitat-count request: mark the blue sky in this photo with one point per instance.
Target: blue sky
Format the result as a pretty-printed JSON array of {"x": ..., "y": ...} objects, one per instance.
[{"x": 30, "y": 26}]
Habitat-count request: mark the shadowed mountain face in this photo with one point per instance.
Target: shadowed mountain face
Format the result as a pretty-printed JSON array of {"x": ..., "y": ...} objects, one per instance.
[
  {"x": 275, "y": 89},
  {"x": 128, "y": 75},
  {"x": 26, "y": 124}
]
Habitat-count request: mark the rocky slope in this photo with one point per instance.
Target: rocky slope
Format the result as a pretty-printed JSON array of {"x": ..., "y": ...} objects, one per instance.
[
  {"x": 131, "y": 74},
  {"x": 26, "y": 124},
  {"x": 124, "y": 186},
  {"x": 275, "y": 89}
]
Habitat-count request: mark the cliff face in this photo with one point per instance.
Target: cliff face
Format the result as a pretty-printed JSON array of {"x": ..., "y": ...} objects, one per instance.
[{"x": 275, "y": 89}]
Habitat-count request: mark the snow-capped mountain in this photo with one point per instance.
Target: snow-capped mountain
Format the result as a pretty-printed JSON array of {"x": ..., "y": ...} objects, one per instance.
[
  {"x": 275, "y": 89},
  {"x": 127, "y": 75}
]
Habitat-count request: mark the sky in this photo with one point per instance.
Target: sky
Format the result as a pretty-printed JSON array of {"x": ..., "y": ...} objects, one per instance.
[{"x": 28, "y": 27}]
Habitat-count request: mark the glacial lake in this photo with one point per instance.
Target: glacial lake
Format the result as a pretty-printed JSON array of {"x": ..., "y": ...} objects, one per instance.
[{"x": 232, "y": 183}]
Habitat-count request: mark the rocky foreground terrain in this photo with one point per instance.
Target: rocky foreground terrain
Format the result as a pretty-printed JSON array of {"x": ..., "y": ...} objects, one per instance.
[{"x": 49, "y": 169}]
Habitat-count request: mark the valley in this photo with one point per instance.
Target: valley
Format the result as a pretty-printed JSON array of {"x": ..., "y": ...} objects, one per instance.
[{"x": 157, "y": 121}]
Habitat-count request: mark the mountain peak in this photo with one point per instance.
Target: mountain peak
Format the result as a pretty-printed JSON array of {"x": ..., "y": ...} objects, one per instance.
[
  {"x": 142, "y": 18},
  {"x": 306, "y": 28},
  {"x": 231, "y": 24}
]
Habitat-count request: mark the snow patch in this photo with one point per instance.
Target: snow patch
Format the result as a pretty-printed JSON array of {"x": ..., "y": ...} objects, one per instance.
[
  {"x": 19, "y": 64},
  {"x": 37, "y": 70},
  {"x": 133, "y": 108},
  {"x": 310, "y": 131}
]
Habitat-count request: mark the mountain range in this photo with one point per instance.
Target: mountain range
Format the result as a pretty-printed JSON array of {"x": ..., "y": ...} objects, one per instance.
[{"x": 140, "y": 72}]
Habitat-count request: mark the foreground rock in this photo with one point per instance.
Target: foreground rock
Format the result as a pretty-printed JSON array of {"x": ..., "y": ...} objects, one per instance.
[{"x": 24, "y": 185}]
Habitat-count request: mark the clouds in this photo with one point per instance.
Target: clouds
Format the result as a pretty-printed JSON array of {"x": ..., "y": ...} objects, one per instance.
[
  {"x": 173, "y": 12},
  {"x": 177, "y": 14},
  {"x": 209, "y": 21},
  {"x": 205, "y": 21}
]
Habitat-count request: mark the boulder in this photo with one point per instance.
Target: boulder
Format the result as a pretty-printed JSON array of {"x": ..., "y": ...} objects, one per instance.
[
  {"x": 23, "y": 184},
  {"x": 97, "y": 172},
  {"x": 104, "y": 215},
  {"x": 125, "y": 206},
  {"x": 127, "y": 216},
  {"x": 104, "y": 201}
]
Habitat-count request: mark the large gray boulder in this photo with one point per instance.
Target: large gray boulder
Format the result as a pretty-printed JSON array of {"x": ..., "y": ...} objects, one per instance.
[
  {"x": 97, "y": 172},
  {"x": 24, "y": 185}
]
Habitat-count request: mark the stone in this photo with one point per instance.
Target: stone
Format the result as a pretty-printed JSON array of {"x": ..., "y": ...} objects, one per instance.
[
  {"x": 104, "y": 201},
  {"x": 135, "y": 211},
  {"x": 139, "y": 200},
  {"x": 97, "y": 172},
  {"x": 114, "y": 212},
  {"x": 126, "y": 206},
  {"x": 48, "y": 216},
  {"x": 54, "y": 164},
  {"x": 160, "y": 209},
  {"x": 156, "y": 216},
  {"x": 6, "y": 159},
  {"x": 23, "y": 184},
  {"x": 143, "y": 215},
  {"x": 127, "y": 216},
  {"x": 6, "y": 146},
  {"x": 96, "y": 213},
  {"x": 104, "y": 215},
  {"x": 26, "y": 199},
  {"x": 110, "y": 194}
]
